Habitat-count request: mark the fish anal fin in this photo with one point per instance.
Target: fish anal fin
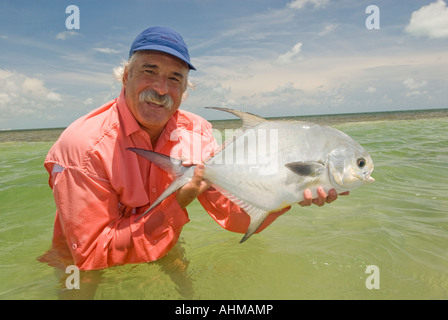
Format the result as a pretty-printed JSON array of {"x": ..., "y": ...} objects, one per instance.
[
  {"x": 306, "y": 168},
  {"x": 257, "y": 217}
]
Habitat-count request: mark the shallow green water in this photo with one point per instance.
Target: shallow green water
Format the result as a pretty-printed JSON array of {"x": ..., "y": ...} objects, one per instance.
[{"x": 399, "y": 224}]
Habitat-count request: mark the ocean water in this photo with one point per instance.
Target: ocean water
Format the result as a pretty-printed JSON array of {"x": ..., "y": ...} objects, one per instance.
[{"x": 399, "y": 225}]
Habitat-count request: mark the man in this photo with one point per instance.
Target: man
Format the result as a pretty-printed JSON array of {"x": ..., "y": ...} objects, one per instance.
[{"x": 101, "y": 189}]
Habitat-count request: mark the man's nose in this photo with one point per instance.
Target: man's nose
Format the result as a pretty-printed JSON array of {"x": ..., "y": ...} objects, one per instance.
[{"x": 161, "y": 86}]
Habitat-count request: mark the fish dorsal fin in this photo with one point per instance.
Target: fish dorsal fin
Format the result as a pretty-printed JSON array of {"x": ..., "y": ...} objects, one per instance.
[
  {"x": 249, "y": 119},
  {"x": 257, "y": 215}
]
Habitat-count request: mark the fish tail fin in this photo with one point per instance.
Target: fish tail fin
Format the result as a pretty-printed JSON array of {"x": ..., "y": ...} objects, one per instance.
[
  {"x": 166, "y": 163},
  {"x": 257, "y": 218},
  {"x": 173, "y": 187},
  {"x": 172, "y": 166}
]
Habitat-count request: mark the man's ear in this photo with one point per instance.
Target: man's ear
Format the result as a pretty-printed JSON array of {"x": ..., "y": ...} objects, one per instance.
[{"x": 125, "y": 75}]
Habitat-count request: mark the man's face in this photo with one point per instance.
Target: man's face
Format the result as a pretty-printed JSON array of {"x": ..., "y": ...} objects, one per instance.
[{"x": 162, "y": 73}]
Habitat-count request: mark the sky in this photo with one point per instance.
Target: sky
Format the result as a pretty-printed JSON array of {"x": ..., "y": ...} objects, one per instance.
[{"x": 269, "y": 57}]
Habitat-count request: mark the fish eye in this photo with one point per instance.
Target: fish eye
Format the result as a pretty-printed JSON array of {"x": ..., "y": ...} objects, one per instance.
[{"x": 361, "y": 162}]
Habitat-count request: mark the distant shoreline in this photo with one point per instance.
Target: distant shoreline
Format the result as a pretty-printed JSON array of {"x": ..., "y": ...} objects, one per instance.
[
  {"x": 332, "y": 119},
  {"x": 51, "y": 134}
]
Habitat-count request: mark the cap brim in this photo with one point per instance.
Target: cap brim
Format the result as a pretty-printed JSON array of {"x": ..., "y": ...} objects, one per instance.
[{"x": 168, "y": 50}]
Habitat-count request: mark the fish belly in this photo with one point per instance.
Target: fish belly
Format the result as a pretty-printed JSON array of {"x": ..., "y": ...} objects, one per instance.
[{"x": 266, "y": 192}]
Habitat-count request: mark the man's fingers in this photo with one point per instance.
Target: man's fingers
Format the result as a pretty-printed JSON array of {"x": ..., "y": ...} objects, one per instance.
[
  {"x": 198, "y": 175},
  {"x": 332, "y": 196},
  {"x": 192, "y": 189},
  {"x": 321, "y": 197},
  {"x": 308, "y": 198}
]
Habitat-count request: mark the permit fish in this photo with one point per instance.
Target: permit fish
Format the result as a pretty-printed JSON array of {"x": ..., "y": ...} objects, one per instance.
[{"x": 266, "y": 165}]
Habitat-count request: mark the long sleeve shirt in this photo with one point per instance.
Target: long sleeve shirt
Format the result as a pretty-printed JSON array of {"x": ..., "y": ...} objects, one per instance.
[{"x": 100, "y": 188}]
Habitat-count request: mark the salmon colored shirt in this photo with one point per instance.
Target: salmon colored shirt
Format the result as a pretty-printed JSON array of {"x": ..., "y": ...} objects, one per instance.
[{"x": 100, "y": 188}]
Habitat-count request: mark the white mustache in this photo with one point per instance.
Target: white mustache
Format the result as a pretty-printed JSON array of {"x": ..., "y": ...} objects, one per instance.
[{"x": 153, "y": 97}]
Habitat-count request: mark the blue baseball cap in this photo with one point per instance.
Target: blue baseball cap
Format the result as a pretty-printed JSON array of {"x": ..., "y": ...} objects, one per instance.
[{"x": 162, "y": 39}]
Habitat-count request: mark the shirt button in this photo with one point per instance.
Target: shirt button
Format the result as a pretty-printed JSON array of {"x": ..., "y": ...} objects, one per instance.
[
  {"x": 153, "y": 190},
  {"x": 74, "y": 246}
]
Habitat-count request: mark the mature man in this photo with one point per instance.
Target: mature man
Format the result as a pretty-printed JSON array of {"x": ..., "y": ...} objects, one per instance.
[{"x": 100, "y": 188}]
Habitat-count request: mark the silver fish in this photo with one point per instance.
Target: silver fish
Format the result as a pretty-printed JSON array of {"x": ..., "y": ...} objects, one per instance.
[{"x": 267, "y": 165}]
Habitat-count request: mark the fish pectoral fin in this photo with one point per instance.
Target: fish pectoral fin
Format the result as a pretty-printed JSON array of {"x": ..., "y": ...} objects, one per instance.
[{"x": 306, "y": 168}]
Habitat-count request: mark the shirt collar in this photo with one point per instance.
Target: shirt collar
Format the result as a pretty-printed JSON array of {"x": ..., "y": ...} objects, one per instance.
[{"x": 128, "y": 121}]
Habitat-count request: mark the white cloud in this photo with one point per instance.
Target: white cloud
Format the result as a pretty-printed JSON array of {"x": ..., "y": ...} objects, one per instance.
[
  {"x": 430, "y": 21},
  {"x": 291, "y": 99},
  {"x": 106, "y": 50},
  {"x": 66, "y": 35},
  {"x": 52, "y": 96},
  {"x": 22, "y": 96},
  {"x": 412, "y": 84},
  {"x": 416, "y": 93},
  {"x": 292, "y": 55},
  {"x": 328, "y": 29},
  {"x": 324, "y": 84},
  {"x": 4, "y": 98},
  {"x": 299, "y": 4},
  {"x": 88, "y": 101},
  {"x": 33, "y": 87}
]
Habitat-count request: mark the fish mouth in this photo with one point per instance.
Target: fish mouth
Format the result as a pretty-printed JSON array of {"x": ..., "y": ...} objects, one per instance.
[{"x": 370, "y": 179}]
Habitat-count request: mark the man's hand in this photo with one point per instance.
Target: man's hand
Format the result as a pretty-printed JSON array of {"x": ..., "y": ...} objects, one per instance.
[
  {"x": 322, "y": 197},
  {"x": 192, "y": 189}
]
